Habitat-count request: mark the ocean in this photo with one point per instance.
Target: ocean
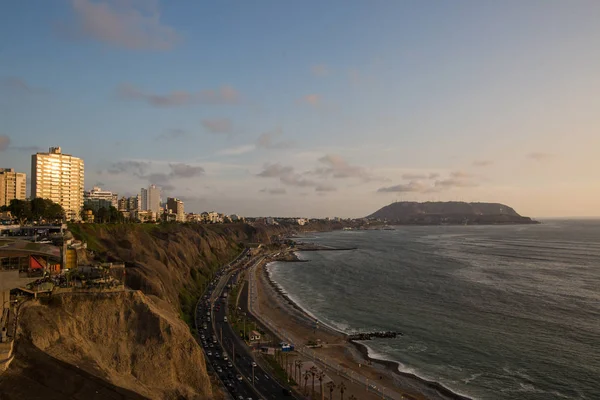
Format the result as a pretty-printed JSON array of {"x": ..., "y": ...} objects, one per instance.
[{"x": 490, "y": 312}]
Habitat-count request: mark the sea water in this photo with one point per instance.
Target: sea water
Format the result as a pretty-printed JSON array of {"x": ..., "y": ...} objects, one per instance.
[{"x": 491, "y": 312}]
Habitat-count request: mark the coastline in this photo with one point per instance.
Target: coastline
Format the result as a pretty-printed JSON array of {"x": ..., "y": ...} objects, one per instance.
[{"x": 360, "y": 355}]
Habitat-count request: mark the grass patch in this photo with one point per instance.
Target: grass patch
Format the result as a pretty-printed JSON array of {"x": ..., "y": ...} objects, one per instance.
[{"x": 277, "y": 370}]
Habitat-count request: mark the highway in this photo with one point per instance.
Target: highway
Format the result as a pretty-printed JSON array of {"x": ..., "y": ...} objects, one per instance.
[{"x": 220, "y": 343}]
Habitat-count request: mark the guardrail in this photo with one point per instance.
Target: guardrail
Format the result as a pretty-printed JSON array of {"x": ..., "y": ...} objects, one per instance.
[{"x": 329, "y": 364}]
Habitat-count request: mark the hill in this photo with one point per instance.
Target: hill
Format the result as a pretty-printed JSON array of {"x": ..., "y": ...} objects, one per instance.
[{"x": 451, "y": 212}]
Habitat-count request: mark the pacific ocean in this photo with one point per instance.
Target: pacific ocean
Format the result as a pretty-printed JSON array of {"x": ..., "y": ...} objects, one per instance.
[{"x": 490, "y": 312}]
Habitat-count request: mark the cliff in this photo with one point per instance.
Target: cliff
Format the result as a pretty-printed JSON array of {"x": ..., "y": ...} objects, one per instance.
[
  {"x": 453, "y": 212},
  {"x": 113, "y": 345},
  {"x": 134, "y": 344}
]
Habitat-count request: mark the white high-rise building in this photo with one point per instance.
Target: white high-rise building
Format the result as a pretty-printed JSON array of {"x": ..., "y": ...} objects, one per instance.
[
  {"x": 154, "y": 199},
  {"x": 59, "y": 177},
  {"x": 98, "y": 194},
  {"x": 144, "y": 199},
  {"x": 12, "y": 186}
]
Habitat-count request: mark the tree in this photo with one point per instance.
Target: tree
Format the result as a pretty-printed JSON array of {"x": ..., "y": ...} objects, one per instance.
[
  {"x": 320, "y": 376},
  {"x": 299, "y": 368},
  {"x": 102, "y": 215},
  {"x": 313, "y": 371},
  {"x": 20, "y": 209},
  {"x": 306, "y": 376},
  {"x": 342, "y": 388},
  {"x": 331, "y": 387}
]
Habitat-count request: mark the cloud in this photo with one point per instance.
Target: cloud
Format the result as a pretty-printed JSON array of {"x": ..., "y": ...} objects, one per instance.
[
  {"x": 319, "y": 70},
  {"x": 433, "y": 175},
  {"x": 461, "y": 175},
  {"x": 412, "y": 186},
  {"x": 28, "y": 149},
  {"x": 236, "y": 151},
  {"x": 137, "y": 168},
  {"x": 182, "y": 170},
  {"x": 337, "y": 167},
  {"x": 540, "y": 156},
  {"x": 172, "y": 134},
  {"x": 275, "y": 171},
  {"x": 325, "y": 188},
  {"x": 268, "y": 141},
  {"x": 313, "y": 100},
  {"x": 18, "y": 85},
  {"x": 454, "y": 183},
  {"x": 131, "y": 24},
  {"x": 411, "y": 176},
  {"x": 161, "y": 180},
  {"x": 274, "y": 191},
  {"x": 4, "y": 142},
  {"x": 482, "y": 163},
  {"x": 223, "y": 95},
  {"x": 286, "y": 175},
  {"x": 218, "y": 125}
]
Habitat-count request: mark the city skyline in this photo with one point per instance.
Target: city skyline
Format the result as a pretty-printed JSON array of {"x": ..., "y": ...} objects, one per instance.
[{"x": 310, "y": 109}]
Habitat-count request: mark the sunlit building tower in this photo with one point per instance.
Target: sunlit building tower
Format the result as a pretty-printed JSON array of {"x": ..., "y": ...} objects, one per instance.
[
  {"x": 59, "y": 177},
  {"x": 154, "y": 199},
  {"x": 13, "y": 185}
]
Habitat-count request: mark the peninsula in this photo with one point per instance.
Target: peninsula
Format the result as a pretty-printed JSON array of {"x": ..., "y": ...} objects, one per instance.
[{"x": 449, "y": 213}]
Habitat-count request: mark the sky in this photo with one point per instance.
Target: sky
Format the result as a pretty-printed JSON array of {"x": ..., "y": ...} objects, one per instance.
[{"x": 311, "y": 108}]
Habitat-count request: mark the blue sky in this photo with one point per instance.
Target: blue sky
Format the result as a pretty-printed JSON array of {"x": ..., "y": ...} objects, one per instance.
[{"x": 311, "y": 108}]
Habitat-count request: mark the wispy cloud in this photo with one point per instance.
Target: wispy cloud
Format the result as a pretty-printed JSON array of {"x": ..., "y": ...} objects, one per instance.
[
  {"x": 337, "y": 167},
  {"x": 131, "y": 24},
  {"x": 268, "y": 140},
  {"x": 274, "y": 191},
  {"x": 172, "y": 134},
  {"x": 419, "y": 176},
  {"x": 540, "y": 156},
  {"x": 319, "y": 70},
  {"x": 143, "y": 170},
  {"x": 223, "y": 95},
  {"x": 461, "y": 175},
  {"x": 4, "y": 142},
  {"x": 412, "y": 186},
  {"x": 325, "y": 188},
  {"x": 18, "y": 85},
  {"x": 482, "y": 163},
  {"x": 182, "y": 170},
  {"x": 218, "y": 125},
  {"x": 313, "y": 100},
  {"x": 286, "y": 175},
  {"x": 455, "y": 183},
  {"x": 236, "y": 151}
]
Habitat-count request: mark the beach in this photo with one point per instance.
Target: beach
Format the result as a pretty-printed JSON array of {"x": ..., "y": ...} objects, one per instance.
[{"x": 382, "y": 376}]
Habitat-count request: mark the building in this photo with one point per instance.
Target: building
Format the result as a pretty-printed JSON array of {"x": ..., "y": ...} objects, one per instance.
[
  {"x": 13, "y": 185},
  {"x": 175, "y": 206},
  {"x": 134, "y": 203},
  {"x": 153, "y": 201},
  {"x": 144, "y": 199},
  {"x": 98, "y": 193},
  {"x": 59, "y": 177}
]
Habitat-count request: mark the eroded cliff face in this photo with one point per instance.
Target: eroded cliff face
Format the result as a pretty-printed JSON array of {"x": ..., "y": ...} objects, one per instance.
[{"x": 123, "y": 338}]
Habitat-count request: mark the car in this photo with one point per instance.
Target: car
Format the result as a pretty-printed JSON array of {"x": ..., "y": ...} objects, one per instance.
[
  {"x": 254, "y": 364},
  {"x": 224, "y": 319},
  {"x": 229, "y": 365},
  {"x": 217, "y": 355},
  {"x": 208, "y": 313},
  {"x": 209, "y": 353},
  {"x": 225, "y": 358},
  {"x": 240, "y": 397},
  {"x": 219, "y": 369},
  {"x": 239, "y": 377}
]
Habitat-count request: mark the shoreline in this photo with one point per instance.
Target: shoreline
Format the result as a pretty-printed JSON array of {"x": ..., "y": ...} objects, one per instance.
[{"x": 388, "y": 365}]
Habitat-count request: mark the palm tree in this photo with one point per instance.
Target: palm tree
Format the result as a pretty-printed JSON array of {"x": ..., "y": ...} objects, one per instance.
[
  {"x": 320, "y": 376},
  {"x": 331, "y": 387},
  {"x": 342, "y": 387},
  {"x": 313, "y": 371},
  {"x": 306, "y": 376},
  {"x": 299, "y": 367},
  {"x": 352, "y": 397}
]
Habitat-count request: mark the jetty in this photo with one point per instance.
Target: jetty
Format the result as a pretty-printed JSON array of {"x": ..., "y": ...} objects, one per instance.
[{"x": 371, "y": 335}]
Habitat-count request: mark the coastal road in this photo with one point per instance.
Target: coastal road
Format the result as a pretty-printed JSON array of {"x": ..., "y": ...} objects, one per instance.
[{"x": 265, "y": 384}]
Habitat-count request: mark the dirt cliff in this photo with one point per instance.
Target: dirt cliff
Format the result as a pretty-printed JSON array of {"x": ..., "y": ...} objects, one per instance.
[{"x": 124, "y": 339}]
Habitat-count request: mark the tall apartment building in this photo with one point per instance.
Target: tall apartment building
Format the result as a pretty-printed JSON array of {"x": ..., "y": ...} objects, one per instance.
[
  {"x": 154, "y": 199},
  {"x": 59, "y": 177},
  {"x": 144, "y": 199},
  {"x": 13, "y": 185},
  {"x": 176, "y": 207}
]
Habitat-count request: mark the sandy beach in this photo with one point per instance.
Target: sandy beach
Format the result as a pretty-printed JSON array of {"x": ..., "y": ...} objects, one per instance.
[{"x": 272, "y": 304}]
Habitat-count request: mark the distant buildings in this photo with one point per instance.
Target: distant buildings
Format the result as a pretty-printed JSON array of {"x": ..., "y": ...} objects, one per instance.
[
  {"x": 153, "y": 201},
  {"x": 175, "y": 206},
  {"x": 59, "y": 177},
  {"x": 13, "y": 185},
  {"x": 144, "y": 199},
  {"x": 97, "y": 198}
]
